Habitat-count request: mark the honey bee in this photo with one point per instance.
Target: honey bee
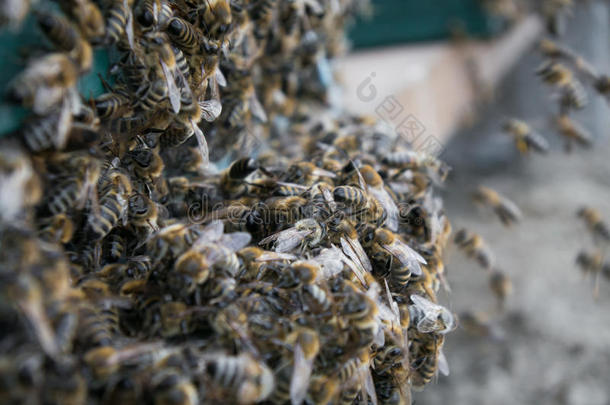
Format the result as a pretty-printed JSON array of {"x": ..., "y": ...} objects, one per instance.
[
  {"x": 232, "y": 179},
  {"x": 74, "y": 189},
  {"x": 593, "y": 263},
  {"x": 554, "y": 13},
  {"x": 408, "y": 159},
  {"x": 479, "y": 324},
  {"x": 361, "y": 312},
  {"x": 394, "y": 255},
  {"x": 119, "y": 21},
  {"x": 146, "y": 164},
  {"x": 501, "y": 286},
  {"x": 242, "y": 377},
  {"x": 595, "y": 224},
  {"x": 475, "y": 247},
  {"x": 306, "y": 233},
  {"x": 183, "y": 34},
  {"x": 153, "y": 14},
  {"x": 114, "y": 197},
  {"x": 323, "y": 389},
  {"x": 525, "y": 138},
  {"x": 573, "y": 133},
  {"x": 190, "y": 270},
  {"x": 88, "y": 17},
  {"x": 306, "y": 345},
  {"x": 561, "y": 77},
  {"x": 171, "y": 387},
  {"x": 59, "y": 228},
  {"x": 345, "y": 234},
  {"x": 357, "y": 203},
  {"x": 44, "y": 82},
  {"x": 428, "y": 358},
  {"x": 429, "y": 317},
  {"x": 143, "y": 213},
  {"x": 306, "y": 173},
  {"x": 505, "y": 209},
  {"x": 217, "y": 18}
]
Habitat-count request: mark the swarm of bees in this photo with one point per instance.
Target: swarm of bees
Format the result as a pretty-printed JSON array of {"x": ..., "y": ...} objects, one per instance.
[{"x": 137, "y": 267}]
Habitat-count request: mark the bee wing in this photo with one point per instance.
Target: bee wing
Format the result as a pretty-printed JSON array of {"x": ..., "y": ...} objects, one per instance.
[
  {"x": 286, "y": 240},
  {"x": 256, "y": 108},
  {"x": 406, "y": 255},
  {"x": 129, "y": 25},
  {"x": 388, "y": 205},
  {"x": 172, "y": 88},
  {"x": 300, "y": 376},
  {"x": 220, "y": 78},
  {"x": 443, "y": 364},
  {"x": 236, "y": 240},
  {"x": 211, "y": 233},
  {"x": 271, "y": 256},
  {"x": 427, "y": 307},
  {"x": 203, "y": 144},
  {"x": 322, "y": 173},
  {"x": 355, "y": 269},
  {"x": 210, "y": 109},
  {"x": 331, "y": 260},
  {"x": 353, "y": 249},
  {"x": 367, "y": 383}
]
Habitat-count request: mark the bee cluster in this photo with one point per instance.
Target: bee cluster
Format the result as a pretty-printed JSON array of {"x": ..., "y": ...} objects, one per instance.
[{"x": 136, "y": 270}]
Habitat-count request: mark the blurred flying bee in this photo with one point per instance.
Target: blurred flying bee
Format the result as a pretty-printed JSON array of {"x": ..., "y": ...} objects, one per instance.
[
  {"x": 475, "y": 247},
  {"x": 573, "y": 133},
  {"x": 595, "y": 224},
  {"x": 479, "y": 324},
  {"x": 501, "y": 286},
  {"x": 593, "y": 263},
  {"x": 572, "y": 92},
  {"x": 525, "y": 138},
  {"x": 505, "y": 209},
  {"x": 429, "y": 317}
]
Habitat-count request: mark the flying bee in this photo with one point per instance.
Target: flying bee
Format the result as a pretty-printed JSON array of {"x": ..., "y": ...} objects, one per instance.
[
  {"x": 554, "y": 13},
  {"x": 114, "y": 195},
  {"x": 153, "y": 14},
  {"x": 430, "y": 317},
  {"x": 593, "y": 263},
  {"x": 306, "y": 233},
  {"x": 573, "y": 133},
  {"x": 475, "y": 247},
  {"x": 44, "y": 82},
  {"x": 561, "y": 77},
  {"x": 595, "y": 224},
  {"x": 505, "y": 209},
  {"x": 242, "y": 377},
  {"x": 501, "y": 286},
  {"x": 479, "y": 324},
  {"x": 525, "y": 138}
]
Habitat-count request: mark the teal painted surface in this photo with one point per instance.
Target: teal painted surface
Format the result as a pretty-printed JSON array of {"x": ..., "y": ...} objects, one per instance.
[
  {"x": 14, "y": 49},
  {"x": 403, "y": 21}
]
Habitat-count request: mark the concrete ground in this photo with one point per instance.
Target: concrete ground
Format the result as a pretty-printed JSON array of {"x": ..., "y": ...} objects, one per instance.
[{"x": 556, "y": 347}]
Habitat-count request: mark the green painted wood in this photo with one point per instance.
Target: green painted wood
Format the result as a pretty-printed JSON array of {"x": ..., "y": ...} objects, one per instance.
[{"x": 404, "y": 21}]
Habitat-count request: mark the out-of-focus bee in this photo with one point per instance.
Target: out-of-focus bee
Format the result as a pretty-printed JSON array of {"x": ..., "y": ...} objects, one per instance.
[
  {"x": 505, "y": 209},
  {"x": 593, "y": 262},
  {"x": 172, "y": 239},
  {"x": 190, "y": 270},
  {"x": 13, "y": 12},
  {"x": 429, "y": 317},
  {"x": 153, "y": 14},
  {"x": 475, "y": 247},
  {"x": 323, "y": 389},
  {"x": 241, "y": 377},
  {"x": 501, "y": 286},
  {"x": 555, "y": 13},
  {"x": 44, "y": 82},
  {"x": 361, "y": 312},
  {"x": 479, "y": 324},
  {"x": 561, "y": 77},
  {"x": 88, "y": 17},
  {"x": 59, "y": 228},
  {"x": 77, "y": 184},
  {"x": 18, "y": 180},
  {"x": 169, "y": 386},
  {"x": 525, "y": 138},
  {"x": 113, "y": 204},
  {"x": 119, "y": 21},
  {"x": 573, "y": 133},
  {"x": 595, "y": 224}
]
